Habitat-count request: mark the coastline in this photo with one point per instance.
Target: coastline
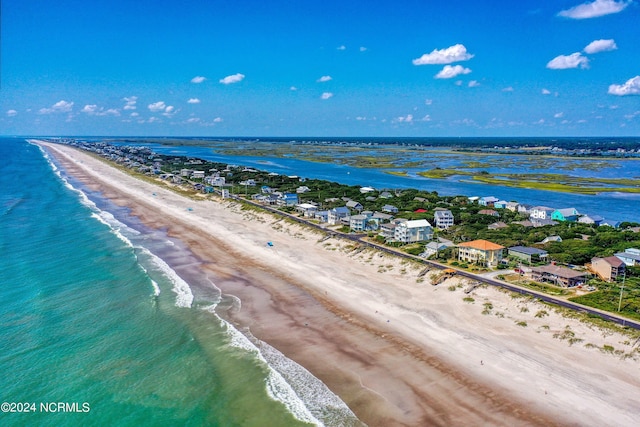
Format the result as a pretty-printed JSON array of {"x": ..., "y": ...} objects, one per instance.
[{"x": 400, "y": 354}]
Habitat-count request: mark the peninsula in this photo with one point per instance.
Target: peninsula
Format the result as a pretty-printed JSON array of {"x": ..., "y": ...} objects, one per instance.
[{"x": 397, "y": 350}]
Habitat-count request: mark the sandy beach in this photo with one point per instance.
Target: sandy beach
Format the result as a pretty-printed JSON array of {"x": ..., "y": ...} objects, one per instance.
[{"x": 396, "y": 349}]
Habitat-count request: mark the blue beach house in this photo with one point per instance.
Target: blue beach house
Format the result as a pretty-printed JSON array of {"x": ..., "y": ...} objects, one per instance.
[{"x": 567, "y": 214}]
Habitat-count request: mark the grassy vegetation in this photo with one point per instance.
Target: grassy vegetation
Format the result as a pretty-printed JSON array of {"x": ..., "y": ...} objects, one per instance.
[
  {"x": 541, "y": 181},
  {"x": 607, "y": 298}
]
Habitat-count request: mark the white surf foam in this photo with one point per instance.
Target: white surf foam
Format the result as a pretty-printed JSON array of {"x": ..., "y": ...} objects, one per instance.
[
  {"x": 304, "y": 395},
  {"x": 277, "y": 387},
  {"x": 184, "y": 296}
]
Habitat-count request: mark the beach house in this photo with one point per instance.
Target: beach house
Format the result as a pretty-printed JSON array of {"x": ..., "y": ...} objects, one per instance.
[
  {"x": 630, "y": 257},
  {"x": 418, "y": 230},
  {"x": 488, "y": 201},
  {"x": 540, "y": 212},
  {"x": 307, "y": 209},
  {"x": 566, "y": 214},
  {"x": 288, "y": 199},
  {"x": 433, "y": 248},
  {"x": 443, "y": 218},
  {"x": 352, "y": 204},
  {"x": 560, "y": 276},
  {"x": 609, "y": 268},
  {"x": 527, "y": 254},
  {"x": 335, "y": 215},
  {"x": 590, "y": 219},
  {"x": 390, "y": 208},
  {"x": 482, "y": 252}
]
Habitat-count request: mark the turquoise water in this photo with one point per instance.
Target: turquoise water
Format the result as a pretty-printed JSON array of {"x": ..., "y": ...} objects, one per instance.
[{"x": 97, "y": 311}]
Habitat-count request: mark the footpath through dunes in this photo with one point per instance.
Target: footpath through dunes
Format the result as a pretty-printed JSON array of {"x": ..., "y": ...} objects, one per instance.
[{"x": 397, "y": 352}]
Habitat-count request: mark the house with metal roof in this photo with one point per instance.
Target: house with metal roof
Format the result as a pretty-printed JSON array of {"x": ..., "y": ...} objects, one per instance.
[
  {"x": 335, "y": 215},
  {"x": 630, "y": 257},
  {"x": 443, "y": 218},
  {"x": 528, "y": 254},
  {"x": 567, "y": 214},
  {"x": 413, "y": 231}
]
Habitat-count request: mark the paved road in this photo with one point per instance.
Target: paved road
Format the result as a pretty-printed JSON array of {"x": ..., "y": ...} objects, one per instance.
[{"x": 359, "y": 238}]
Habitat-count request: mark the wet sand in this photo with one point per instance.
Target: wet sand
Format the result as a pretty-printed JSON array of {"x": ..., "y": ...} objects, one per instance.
[{"x": 397, "y": 351}]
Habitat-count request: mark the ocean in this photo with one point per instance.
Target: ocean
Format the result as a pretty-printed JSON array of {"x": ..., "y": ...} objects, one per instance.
[{"x": 106, "y": 322}]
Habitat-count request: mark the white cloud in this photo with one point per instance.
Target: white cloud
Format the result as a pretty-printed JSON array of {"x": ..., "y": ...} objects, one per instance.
[
  {"x": 234, "y": 78},
  {"x": 363, "y": 49},
  {"x": 632, "y": 115},
  {"x": 326, "y": 95},
  {"x": 134, "y": 114},
  {"x": 157, "y": 106},
  {"x": 217, "y": 120},
  {"x": 193, "y": 101},
  {"x": 153, "y": 120},
  {"x": 404, "y": 119},
  {"x": 449, "y": 72},
  {"x": 193, "y": 120},
  {"x": 474, "y": 83},
  {"x": 293, "y": 88},
  {"x": 169, "y": 111},
  {"x": 563, "y": 62},
  {"x": 558, "y": 115},
  {"x": 426, "y": 118},
  {"x": 324, "y": 79},
  {"x": 343, "y": 47},
  {"x": 595, "y": 9},
  {"x": 600, "y": 46},
  {"x": 198, "y": 79},
  {"x": 130, "y": 102},
  {"x": 508, "y": 89},
  {"x": 451, "y": 54},
  {"x": 59, "y": 107},
  {"x": 546, "y": 92},
  {"x": 630, "y": 87},
  {"x": 12, "y": 113},
  {"x": 94, "y": 110},
  {"x": 89, "y": 109},
  {"x": 428, "y": 101}
]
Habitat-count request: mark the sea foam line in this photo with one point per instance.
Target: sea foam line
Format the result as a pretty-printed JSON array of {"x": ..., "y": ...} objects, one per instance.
[
  {"x": 184, "y": 296},
  {"x": 277, "y": 387}
]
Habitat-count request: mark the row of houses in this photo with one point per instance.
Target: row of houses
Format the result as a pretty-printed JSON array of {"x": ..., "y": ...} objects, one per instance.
[
  {"x": 542, "y": 215},
  {"x": 611, "y": 268}
]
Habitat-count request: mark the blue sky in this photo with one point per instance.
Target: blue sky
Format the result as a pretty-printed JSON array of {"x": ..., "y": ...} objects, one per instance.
[{"x": 310, "y": 68}]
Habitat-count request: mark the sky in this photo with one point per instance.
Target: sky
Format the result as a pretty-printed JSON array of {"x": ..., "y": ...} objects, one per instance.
[{"x": 415, "y": 68}]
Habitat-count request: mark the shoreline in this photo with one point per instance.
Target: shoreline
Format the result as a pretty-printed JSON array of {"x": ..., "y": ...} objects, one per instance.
[{"x": 397, "y": 355}]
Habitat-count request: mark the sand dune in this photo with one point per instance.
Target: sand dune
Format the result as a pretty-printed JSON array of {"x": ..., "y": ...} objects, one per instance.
[{"x": 397, "y": 350}]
